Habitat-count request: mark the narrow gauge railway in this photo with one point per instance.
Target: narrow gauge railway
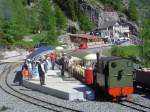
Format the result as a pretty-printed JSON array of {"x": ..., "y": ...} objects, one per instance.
[
  {"x": 134, "y": 105},
  {"x": 6, "y": 87},
  {"x": 126, "y": 103}
]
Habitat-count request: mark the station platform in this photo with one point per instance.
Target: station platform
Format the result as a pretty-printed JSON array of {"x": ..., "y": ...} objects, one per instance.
[{"x": 63, "y": 87}]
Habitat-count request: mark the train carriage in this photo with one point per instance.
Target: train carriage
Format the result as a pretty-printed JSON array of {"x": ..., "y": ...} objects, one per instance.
[
  {"x": 142, "y": 78},
  {"x": 111, "y": 76}
]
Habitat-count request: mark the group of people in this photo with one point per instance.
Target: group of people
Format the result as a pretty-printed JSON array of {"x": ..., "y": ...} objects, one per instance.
[
  {"x": 37, "y": 69},
  {"x": 65, "y": 63}
]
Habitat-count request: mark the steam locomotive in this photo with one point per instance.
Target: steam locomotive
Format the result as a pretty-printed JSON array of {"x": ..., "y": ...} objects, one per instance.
[{"x": 113, "y": 76}]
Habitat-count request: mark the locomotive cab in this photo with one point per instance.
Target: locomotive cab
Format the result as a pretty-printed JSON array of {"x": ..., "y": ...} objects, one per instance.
[{"x": 114, "y": 76}]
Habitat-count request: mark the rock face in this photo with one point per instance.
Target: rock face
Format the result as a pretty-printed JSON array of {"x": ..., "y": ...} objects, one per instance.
[
  {"x": 100, "y": 17},
  {"x": 105, "y": 17},
  {"x": 97, "y": 15}
]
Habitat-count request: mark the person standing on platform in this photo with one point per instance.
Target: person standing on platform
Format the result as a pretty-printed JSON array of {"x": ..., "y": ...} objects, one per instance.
[
  {"x": 25, "y": 71},
  {"x": 29, "y": 64},
  {"x": 41, "y": 71},
  {"x": 19, "y": 75},
  {"x": 62, "y": 61},
  {"x": 35, "y": 73},
  {"x": 70, "y": 62},
  {"x": 46, "y": 64},
  {"x": 53, "y": 58}
]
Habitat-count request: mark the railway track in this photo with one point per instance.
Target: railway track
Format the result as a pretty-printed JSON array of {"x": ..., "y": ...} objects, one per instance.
[
  {"x": 6, "y": 87},
  {"x": 134, "y": 105}
]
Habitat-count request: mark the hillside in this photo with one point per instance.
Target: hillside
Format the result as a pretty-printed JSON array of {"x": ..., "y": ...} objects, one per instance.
[
  {"x": 18, "y": 19},
  {"x": 143, "y": 8},
  {"x": 47, "y": 20}
]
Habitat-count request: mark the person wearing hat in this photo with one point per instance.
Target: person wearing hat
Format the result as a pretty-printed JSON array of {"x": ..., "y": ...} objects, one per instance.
[{"x": 41, "y": 71}]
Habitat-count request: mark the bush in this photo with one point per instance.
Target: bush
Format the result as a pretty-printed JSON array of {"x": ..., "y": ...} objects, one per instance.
[
  {"x": 131, "y": 52},
  {"x": 45, "y": 37},
  {"x": 39, "y": 37},
  {"x": 23, "y": 44}
]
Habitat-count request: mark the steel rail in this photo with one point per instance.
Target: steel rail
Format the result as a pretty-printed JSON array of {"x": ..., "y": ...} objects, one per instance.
[
  {"x": 30, "y": 99},
  {"x": 134, "y": 105}
]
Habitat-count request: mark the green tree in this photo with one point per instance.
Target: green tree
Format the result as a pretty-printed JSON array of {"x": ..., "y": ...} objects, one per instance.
[
  {"x": 70, "y": 8},
  {"x": 115, "y": 4},
  {"x": 48, "y": 20},
  {"x": 118, "y": 5},
  {"x": 85, "y": 23},
  {"x": 14, "y": 20},
  {"x": 132, "y": 12},
  {"x": 60, "y": 18},
  {"x": 145, "y": 48},
  {"x": 46, "y": 15}
]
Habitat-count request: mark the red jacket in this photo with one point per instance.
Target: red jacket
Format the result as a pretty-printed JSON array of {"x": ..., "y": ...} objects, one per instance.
[{"x": 52, "y": 56}]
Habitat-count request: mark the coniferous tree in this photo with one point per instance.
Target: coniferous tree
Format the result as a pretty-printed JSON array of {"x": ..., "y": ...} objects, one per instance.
[
  {"x": 70, "y": 9},
  {"x": 118, "y": 5},
  {"x": 132, "y": 10},
  {"x": 145, "y": 48},
  {"x": 85, "y": 23},
  {"x": 60, "y": 18},
  {"x": 48, "y": 20},
  {"x": 15, "y": 20}
]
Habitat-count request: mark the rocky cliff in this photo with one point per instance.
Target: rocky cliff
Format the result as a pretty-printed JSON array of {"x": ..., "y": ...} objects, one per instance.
[{"x": 100, "y": 16}]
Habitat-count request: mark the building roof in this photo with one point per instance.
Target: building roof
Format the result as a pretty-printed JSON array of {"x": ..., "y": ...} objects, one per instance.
[{"x": 86, "y": 36}]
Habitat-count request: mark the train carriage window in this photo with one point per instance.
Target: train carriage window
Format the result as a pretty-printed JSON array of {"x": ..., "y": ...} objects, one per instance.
[
  {"x": 113, "y": 64},
  {"x": 129, "y": 64}
]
